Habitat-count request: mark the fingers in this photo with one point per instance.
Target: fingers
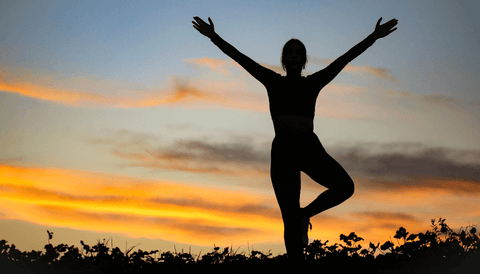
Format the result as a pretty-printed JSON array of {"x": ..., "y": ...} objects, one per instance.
[
  {"x": 392, "y": 23},
  {"x": 196, "y": 27},
  {"x": 201, "y": 22},
  {"x": 197, "y": 24},
  {"x": 202, "y": 27},
  {"x": 389, "y": 24}
]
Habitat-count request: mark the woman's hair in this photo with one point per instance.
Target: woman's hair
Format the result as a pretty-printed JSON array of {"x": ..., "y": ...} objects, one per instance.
[{"x": 302, "y": 48}]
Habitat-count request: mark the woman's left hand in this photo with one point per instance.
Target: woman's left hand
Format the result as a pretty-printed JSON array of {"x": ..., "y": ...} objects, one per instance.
[
  {"x": 204, "y": 28},
  {"x": 385, "y": 29}
]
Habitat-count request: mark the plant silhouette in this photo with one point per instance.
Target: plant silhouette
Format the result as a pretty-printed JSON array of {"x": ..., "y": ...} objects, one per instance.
[
  {"x": 50, "y": 236},
  {"x": 437, "y": 251}
]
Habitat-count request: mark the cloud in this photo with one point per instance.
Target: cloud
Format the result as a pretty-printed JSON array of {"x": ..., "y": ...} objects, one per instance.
[
  {"x": 413, "y": 160},
  {"x": 86, "y": 91},
  {"x": 138, "y": 208},
  {"x": 239, "y": 157},
  {"x": 217, "y": 65},
  {"x": 383, "y": 220},
  {"x": 435, "y": 99},
  {"x": 234, "y": 93},
  {"x": 213, "y": 205},
  {"x": 360, "y": 104},
  {"x": 49, "y": 93},
  {"x": 372, "y": 159},
  {"x": 182, "y": 93},
  {"x": 377, "y": 72},
  {"x": 224, "y": 67},
  {"x": 391, "y": 172},
  {"x": 199, "y": 214},
  {"x": 11, "y": 160},
  {"x": 376, "y": 216},
  {"x": 35, "y": 86},
  {"x": 195, "y": 231}
]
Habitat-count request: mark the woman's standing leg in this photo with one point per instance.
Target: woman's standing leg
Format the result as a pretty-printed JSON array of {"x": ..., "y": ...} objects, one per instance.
[
  {"x": 325, "y": 170},
  {"x": 285, "y": 176}
]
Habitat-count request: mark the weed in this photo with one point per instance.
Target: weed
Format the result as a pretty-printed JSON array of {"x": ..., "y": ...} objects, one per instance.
[{"x": 441, "y": 249}]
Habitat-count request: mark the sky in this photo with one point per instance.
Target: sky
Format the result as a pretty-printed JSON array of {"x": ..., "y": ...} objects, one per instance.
[{"x": 119, "y": 120}]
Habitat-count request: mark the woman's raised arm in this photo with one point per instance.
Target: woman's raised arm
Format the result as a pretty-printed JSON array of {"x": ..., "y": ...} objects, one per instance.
[
  {"x": 257, "y": 71},
  {"x": 331, "y": 71}
]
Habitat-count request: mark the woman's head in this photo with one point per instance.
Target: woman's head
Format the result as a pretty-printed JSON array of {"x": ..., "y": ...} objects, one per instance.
[{"x": 294, "y": 56}]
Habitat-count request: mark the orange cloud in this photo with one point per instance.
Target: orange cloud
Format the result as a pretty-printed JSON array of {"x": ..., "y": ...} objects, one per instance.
[
  {"x": 137, "y": 208},
  {"x": 201, "y": 215},
  {"x": 182, "y": 93},
  {"x": 223, "y": 67},
  {"x": 378, "y": 72},
  {"x": 49, "y": 93},
  {"x": 217, "y": 65}
]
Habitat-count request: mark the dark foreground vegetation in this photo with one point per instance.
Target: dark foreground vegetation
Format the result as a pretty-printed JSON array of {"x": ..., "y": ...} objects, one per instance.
[{"x": 438, "y": 251}]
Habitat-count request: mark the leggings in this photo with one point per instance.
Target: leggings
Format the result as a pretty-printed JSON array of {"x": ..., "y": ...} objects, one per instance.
[{"x": 304, "y": 152}]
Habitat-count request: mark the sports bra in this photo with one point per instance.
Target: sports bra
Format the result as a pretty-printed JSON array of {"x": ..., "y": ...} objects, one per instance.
[{"x": 292, "y": 95}]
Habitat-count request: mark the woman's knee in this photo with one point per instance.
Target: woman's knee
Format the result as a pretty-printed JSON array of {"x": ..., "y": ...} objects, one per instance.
[
  {"x": 349, "y": 188},
  {"x": 346, "y": 188}
]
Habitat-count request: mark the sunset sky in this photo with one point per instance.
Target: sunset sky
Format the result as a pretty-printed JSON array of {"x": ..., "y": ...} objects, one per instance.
[{"x": 119, "y": 120}]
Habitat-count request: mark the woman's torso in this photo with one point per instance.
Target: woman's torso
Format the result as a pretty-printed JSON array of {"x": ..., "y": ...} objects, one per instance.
[
  {"x": 292, "y": 97},
  {"x": 292, "y": 124}
]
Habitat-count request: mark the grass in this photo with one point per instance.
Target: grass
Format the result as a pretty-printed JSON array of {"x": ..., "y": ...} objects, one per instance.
[{"x": 438, "y": 251}]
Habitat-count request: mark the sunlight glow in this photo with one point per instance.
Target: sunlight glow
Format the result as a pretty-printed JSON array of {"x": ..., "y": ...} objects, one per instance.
[{"x": 100, "y": 202}]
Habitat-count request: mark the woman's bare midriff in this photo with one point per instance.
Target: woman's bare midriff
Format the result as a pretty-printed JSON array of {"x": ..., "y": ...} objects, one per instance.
[{"x": 292, "y": 124}]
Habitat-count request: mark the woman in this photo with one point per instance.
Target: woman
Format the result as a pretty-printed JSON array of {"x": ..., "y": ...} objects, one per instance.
[{"x": 295, "y": 147}]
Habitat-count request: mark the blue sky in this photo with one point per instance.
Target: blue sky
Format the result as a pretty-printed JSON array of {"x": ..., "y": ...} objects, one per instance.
[{"x": 128, "y": 88}]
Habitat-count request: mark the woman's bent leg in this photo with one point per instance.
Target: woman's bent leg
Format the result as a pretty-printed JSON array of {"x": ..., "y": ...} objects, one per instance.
[{"x": 325, "y": 170}]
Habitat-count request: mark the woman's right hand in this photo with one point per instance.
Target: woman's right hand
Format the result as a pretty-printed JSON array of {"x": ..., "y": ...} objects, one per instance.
[
  {"x": 385, "y": 29},
  {"x": 203, "y": 27}
]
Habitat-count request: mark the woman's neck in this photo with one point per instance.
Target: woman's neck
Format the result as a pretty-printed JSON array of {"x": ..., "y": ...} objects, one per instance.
[{"x": 294, "y": 73}]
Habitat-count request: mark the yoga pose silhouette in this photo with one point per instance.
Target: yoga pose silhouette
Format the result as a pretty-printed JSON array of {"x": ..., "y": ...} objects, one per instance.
[{"x": 296, "y": 147}]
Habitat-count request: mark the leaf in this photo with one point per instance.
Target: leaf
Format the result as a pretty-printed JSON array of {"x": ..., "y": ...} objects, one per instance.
[
  {"x": 386, "y": 245},
  {"x": 412, "y": 237},
  {"x": 401, "y": 233},
  {"x": 50, "y": 235}
]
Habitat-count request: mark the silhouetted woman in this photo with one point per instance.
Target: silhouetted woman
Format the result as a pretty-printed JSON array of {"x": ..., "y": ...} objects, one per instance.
[{"x": 295, "y": 147}]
